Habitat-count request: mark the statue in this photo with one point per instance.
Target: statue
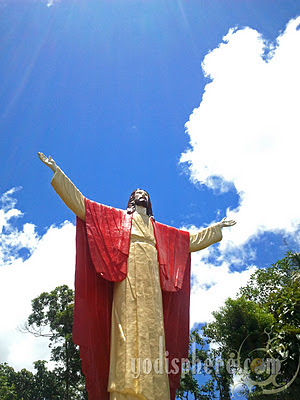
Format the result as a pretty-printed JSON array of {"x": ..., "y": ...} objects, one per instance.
[{"x": 132, "y": 290}]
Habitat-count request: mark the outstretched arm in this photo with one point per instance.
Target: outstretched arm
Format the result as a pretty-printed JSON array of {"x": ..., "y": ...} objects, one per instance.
[
  {"x": 208, "y": 236},
  {"x": 63, "y": 186}
]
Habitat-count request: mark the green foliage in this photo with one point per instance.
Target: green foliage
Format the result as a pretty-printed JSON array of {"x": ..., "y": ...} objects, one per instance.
[
  {"x": 7, "y": 389},
  {"x": 53, "y": 312},
  {"x": 189, "y": 384},
  {"x": 52, "y": 316},
  {"x": 24, "y": 385},
  {"x": 263, "y": 321},
  {"x": 265, "y": 282},
  {"x": 206, "y": 362},
  {"x": 237, "y": 320},
  {"x": 282, "y": 300},
  {"x": 47, "y": 385}
]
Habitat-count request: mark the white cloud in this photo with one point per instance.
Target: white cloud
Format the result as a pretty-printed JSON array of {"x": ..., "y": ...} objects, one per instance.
[
  {"x": 11, "y": 239},
  {"x": 50, "y": 264},
  {"x": 213, "y": 284},
  {"x": 246, "y": 130}
]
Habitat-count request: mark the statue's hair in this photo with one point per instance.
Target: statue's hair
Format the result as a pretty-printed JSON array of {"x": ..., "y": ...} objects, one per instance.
[{"x": 131, "y": 206}]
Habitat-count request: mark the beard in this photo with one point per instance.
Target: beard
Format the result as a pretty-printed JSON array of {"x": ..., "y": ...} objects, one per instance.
[{"x": 141, "y": 202}]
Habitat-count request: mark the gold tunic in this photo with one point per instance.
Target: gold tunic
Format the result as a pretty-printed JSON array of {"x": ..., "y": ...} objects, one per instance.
[
  {"x": 137, "y": 334},
  {"x": 137, "y": 321}
]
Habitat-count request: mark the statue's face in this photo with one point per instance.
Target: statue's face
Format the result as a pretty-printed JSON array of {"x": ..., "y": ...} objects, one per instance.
[{"x": 141, "y": 198}]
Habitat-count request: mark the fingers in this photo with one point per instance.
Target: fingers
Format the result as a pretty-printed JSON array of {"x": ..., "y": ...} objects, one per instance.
[
  {"x": 230, "y": 223},
  {"x": 227, "y": 223},
  {"x": 48, "y": 161},
  {"x": 42, "y": 157}
]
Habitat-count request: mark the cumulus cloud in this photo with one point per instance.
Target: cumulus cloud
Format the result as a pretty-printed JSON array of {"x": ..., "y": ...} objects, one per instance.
[
  {"x": 246, "y": 131},
  {"x": 50, "y": 263},
  {"x": 213, "y": 279},
  {"x": 12, "y": 239},
  {"x": 212, "y": 284},
  {"x": 246, "y": 134}
]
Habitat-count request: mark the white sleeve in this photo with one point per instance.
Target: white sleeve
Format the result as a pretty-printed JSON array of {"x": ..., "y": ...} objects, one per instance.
[
  {"x": 69, "y": 193},
  {"x": 205, "y": 238}
]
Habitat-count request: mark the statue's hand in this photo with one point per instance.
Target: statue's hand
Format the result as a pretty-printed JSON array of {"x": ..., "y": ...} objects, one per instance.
[
  {"x": 48, "y": 161},
  {"x": 225, "y": 224}
]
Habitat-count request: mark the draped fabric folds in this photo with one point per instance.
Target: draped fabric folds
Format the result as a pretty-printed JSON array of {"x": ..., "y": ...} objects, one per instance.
[
  {"x": 102, "y": 247},
  {"x": 92, "y": 318},
  {"x": 175, "y": 270},
  {"x": 108, "y": 231}
]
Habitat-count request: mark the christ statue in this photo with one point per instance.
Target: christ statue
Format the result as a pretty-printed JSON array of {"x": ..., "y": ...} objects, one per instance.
[{"x": 132, "y": 294}]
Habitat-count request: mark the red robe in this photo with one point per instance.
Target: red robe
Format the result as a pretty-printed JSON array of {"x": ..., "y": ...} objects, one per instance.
[{"x": 102, "y": 247}]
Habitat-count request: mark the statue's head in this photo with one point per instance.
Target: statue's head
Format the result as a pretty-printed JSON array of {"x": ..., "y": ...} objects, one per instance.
[{"x": 139, "y": 197}]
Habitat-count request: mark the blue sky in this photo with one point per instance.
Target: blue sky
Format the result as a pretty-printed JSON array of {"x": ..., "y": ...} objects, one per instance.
[{"x": 106, "y": 88}]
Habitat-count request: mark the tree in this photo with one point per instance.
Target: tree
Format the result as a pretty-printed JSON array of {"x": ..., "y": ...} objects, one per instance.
[
  {"x": 7, "y": 389},
  {"x": 189, "y": 384},
  {"x": 263, "y": 323},
  {"x": 266, "y": 281},
  {"x": 235, "y": 321},
  {"x": 281, "y": 285},
  {"x": 47, "y": 384},
  {"x": 206, "y": 362},
  {"x": 24, "y": 385},
  {"x": 52, "y": 316}
]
